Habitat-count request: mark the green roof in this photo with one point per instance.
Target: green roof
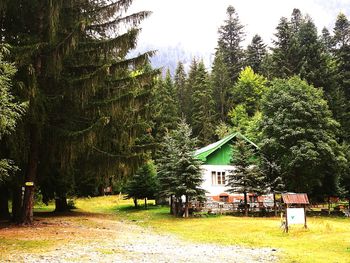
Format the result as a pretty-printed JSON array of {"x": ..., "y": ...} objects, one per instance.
[{"x": 219, "y": 152}]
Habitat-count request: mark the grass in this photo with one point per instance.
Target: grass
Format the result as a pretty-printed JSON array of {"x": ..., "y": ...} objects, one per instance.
[
  {"x": 28, "y": 245},
  {"x": 326, "y": 240}
]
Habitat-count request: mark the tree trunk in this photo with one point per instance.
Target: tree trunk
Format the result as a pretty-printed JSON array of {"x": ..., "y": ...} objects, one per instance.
[
  {"x": 28, "y": 200},
  {"x": 146, "y": 203},
  {"x": 274, "y": 204},
  {"x": 4, "y": 203},
  {"x": 171, "y": 204},
  {"x": 186, "y": 206},
  {"x": 329, "y": 205},
  {"x": 16, "y": 203},
  {"x": 61, "y": 204},
  {"x": 245, "y": 204},
  {"x": 135, "y": 202}
]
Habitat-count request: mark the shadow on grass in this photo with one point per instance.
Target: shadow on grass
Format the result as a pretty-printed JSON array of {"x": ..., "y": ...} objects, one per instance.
[{"x": 130, "y": 208}]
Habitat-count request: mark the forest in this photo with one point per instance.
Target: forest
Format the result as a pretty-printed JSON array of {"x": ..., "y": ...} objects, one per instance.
[{"x": 79, "y": 114}]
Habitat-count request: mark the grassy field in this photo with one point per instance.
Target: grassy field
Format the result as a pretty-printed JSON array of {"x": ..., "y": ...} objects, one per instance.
[{"x": 326, "y": 239}]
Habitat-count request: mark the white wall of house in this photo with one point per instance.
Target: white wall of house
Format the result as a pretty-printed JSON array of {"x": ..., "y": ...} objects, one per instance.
[{"x": 215, "y": 178}]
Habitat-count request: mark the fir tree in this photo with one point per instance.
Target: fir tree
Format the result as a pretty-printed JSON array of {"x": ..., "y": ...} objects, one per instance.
[
  {"x": 10, "y": 113},
  {"x": 179, "y": 172},
  {"x": 167, "y": 175},
  {"x": 246, "y": 177},
  {"x": 342, "y": 54},
  {"x": 255, "y": 54},
  {"x": 203, "y": 111},
  {"x": 180, "y": 87},
  {"x": 221, "y": 85},
  {"x": 299, "y": 51},
  {"x": 229, "y": 43},
  {"x": 326, "y": 39},
  {"x": 280, "y": 57},
  {"x": 190, "y": 83},
  {"x": 165, "y": 106},
  {"x": 143, "y": 184},
  {"x": 80, "y": 87}
]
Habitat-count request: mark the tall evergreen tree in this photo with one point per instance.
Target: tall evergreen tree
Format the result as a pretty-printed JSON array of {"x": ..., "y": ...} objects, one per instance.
[
  {"x": 143, "y": 184},
  {"x": 72, "y": 63},
  {"x": 327, "y": 39},
  {"x": 203, "y": 111},
  {"x": 255, "y": 54},
  {"x": 180, "y": 87},
  {"x": 281, "y": 58},
  {"x": 246, "y": 177},
  {"x": 165, "y": 106},
  {"x": 190, "y": 83},
  {"x": 179, "y": 172},
  {"x": 10, "y": 112},
  {"x": 229, "y": 43},
  {"x": 221, "y": 85},
  {"x": 341, "y": 41},
  {"x": 299, "y": 51}
]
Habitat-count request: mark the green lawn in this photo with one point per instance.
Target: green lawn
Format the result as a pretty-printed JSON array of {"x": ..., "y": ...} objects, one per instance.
[{"x": 326, "y": 239}]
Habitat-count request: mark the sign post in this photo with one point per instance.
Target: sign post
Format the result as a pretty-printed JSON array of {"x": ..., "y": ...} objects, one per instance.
[{"x": 295, "y": 215}]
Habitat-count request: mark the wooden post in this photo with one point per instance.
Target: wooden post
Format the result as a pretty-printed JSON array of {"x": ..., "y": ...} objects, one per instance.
[
  {"x": 305, "y": 225},
  {"x": 286, "y": 228}
]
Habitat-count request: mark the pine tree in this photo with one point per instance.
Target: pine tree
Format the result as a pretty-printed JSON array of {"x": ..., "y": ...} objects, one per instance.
[
  {"x": 190, "y": 83},
  {"x": 180, "y": 87},
  {"x": 10, "y": 113},
  {"x": 203, "y": 111},
  {"x": 299, "y": 51},
  {"x": 342, "y": 54},
  {"x": 179, "y": 172},
  {"x": 165, "y": 106},
  {"x": 166, "y": 170},
  {"x": 229, "y": 43},
  {"x": 326, "y": 39},
  {"x": 143, "y": 184},
  {"x": 255, "y": 54},
  {"x": 246, "y": 177},
  {"x": 221, "y": 85},
  {"x": 84, "y": 94}
]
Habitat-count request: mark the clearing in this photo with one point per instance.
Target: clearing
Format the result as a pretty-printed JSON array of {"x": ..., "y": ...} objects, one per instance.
[{"x": 108, "y": 229}]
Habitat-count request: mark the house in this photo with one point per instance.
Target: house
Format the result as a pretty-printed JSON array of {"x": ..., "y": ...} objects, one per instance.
[{"x": 216, "y": 167}]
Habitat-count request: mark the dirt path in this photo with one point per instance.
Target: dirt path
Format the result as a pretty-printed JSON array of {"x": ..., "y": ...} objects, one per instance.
[{"x": 115, "y": 241}]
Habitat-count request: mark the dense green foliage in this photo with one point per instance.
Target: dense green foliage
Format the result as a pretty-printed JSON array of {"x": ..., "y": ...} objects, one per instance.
[
  {"x": 179, "y": 172},
  {"x": 229, "y": 43},
  {"x": 303, "y": 129},
  {"x": 10, "y": 111},
  {"x": 256, "y": 54},
  {"x": 300, "y": 135},
  {"x": 246, "y": 177},
  {"x": 87, "y": 112},
  {"x": 94, "y": 113},
  {"x": 143, "y": 184}
]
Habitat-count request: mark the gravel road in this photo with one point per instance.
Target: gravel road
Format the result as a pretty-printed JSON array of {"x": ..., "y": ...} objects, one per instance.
[{"x": 130, "y": 243}]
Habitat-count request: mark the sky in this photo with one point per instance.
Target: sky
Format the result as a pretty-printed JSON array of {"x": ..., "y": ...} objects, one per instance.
[{"x": 193, "y": 24}]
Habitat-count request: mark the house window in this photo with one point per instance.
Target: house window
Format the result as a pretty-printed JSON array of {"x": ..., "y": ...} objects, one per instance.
[{"x": 218, "y": 178}]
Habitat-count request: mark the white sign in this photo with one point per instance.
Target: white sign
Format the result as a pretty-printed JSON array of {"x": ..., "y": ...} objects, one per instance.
[{"x": 295, "y": 216}]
